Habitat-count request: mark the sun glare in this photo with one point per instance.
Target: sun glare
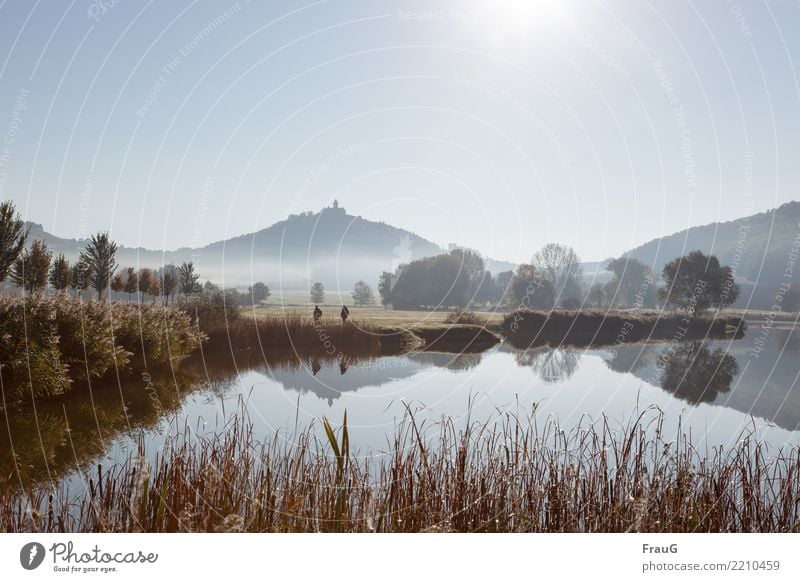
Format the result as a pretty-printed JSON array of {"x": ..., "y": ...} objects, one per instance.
[{"x": 517, "y": 18}]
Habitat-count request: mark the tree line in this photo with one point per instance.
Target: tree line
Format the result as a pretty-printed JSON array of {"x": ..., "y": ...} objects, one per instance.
[
  {"x": 554, "y": 279},
  {"x": 33, "y": 267}
]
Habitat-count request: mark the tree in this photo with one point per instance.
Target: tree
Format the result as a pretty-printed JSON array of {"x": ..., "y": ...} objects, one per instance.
[
  {"x": 633, "y": 283},
  {"x": 560, "y": 265},
  {"x": 385, "y": 284},
  {"x": 697, "y": 282},
  {"x": 362, "y": 295},
  {"x": 155, "y": 288},
  {"x": 441, "y": 281},
  {"x": 596, "y": 297},
  {"x": 146, "y": 281},
  {"x": 258, "y": 292},
  {"x": 118, "y": 283},
  {"x": 188, "y": 278},
  {"x": 131, "y": 282},
  {"x": 99, "y": 255},
  {"x": 169, "y": 282},
  {"x": 529, "y": 290},
  {"x": 81, "y": 276},
  {"x": 487, "y": 290},
  {"x": 502, "y": 283},
  {"x": 317, "y": 293},
  {"x": 13, "y": 236},
  {"x": 60, "y": 273},
  {"x": 31, "y": 267}
]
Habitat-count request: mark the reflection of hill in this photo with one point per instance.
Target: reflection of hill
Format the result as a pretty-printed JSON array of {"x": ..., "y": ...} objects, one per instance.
[
  {"x": 768, "y": 384},
  {"x": 328, "y": 378},
  {"x": 48, "y": 442},
  {"x": 461, "y": 361}
]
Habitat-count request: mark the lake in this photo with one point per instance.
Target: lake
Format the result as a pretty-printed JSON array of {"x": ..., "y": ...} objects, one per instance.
[{"x": 714, "y": 390}]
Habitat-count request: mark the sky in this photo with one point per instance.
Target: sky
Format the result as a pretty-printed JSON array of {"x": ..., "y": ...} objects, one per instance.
[{"x": 496, "y": 125}]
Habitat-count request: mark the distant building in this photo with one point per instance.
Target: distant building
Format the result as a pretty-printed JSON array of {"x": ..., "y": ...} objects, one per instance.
[{"x": 335, "y": 210}]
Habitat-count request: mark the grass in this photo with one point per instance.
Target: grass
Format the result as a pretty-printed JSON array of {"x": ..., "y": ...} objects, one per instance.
[
  {"x": 597, "y": 327},
  {"x": 386, "y": 318},
  {"x": 511, "y": 475}
]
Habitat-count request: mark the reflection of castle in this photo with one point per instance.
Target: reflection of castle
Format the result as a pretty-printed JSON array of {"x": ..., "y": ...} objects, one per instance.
[{"x": 334, "y": 210}]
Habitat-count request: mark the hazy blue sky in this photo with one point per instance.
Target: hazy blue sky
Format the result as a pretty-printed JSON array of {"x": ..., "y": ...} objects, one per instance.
[{"x": 499, "y": 125}]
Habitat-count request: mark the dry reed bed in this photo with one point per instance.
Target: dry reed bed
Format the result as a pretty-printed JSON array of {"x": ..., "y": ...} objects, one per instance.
[
  {"x": 509, "y": 476},
  {"x": 292, "y": 329},
  {"x": 596, "y": 327}
]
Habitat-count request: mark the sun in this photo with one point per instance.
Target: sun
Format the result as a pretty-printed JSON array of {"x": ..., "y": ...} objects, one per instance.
[{"x": 517, "y": 18}]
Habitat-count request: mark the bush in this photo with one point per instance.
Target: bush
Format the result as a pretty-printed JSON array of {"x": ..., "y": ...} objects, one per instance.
[
  {"x": 47, "y": 344},
  {"x": 459, "y": 315},
  {"x": 211, "y": 311}
]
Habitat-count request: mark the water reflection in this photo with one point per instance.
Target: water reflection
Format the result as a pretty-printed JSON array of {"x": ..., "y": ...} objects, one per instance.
[
  {"x": 82, "y": 427},
  {"x": 458, "y": 361},
  {"x": 695, "y": 373},
  {"x": 551, "y": 364}
]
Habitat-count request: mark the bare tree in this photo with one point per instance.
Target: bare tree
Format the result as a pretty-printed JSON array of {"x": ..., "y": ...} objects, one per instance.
[
  {"x": 169, "y": 282},
  {"x": 187, "y": 278},
  {"x": 560, "y": 265}
]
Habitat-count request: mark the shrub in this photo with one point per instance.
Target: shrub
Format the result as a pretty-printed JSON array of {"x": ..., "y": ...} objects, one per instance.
[
  {"x": 211, "y": 311},
  {"x": 47, "y": 344},
  {"x": 460, "y": 315}
]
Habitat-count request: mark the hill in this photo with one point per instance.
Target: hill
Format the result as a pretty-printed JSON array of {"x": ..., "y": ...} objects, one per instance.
[
  {"x": 329, "y": 246},
  {"x": 757, "y": 247}
]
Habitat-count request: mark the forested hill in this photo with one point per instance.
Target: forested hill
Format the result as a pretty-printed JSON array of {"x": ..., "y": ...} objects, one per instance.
[{"x": 757, "y": 247}]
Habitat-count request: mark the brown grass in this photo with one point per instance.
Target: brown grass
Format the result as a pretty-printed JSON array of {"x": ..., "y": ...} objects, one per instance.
[
  {"x": 509, "y": 476},
  {"x": 598, "y": 327}
]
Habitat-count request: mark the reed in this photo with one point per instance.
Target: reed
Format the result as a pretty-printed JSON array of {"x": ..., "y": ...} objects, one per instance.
[
  {"x": 525, "y": 327},
  {"x": 49, "y": 343},
  {"x": 509, "y": 475},
  {"x": 293, "y": 330}
]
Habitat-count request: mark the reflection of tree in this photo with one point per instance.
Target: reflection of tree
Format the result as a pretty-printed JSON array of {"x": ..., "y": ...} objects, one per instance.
[
  {"x": 695, "y": 373},
  {"x": 552, "y": 364},
  {"x": 630, "y": 359}
]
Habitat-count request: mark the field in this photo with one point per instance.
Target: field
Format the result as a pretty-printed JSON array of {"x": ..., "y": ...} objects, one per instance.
[{"x": 377, "y": 316}]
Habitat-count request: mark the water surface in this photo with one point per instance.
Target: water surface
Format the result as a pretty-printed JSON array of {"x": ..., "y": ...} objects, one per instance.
[{"x": 715, "y": 390}]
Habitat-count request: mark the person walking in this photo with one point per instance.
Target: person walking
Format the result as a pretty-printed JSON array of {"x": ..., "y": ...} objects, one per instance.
[{"x": 345, "y": 313}]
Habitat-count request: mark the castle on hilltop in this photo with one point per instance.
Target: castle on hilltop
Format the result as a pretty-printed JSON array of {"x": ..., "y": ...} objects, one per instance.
[{"x": 334, "y": 210}]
